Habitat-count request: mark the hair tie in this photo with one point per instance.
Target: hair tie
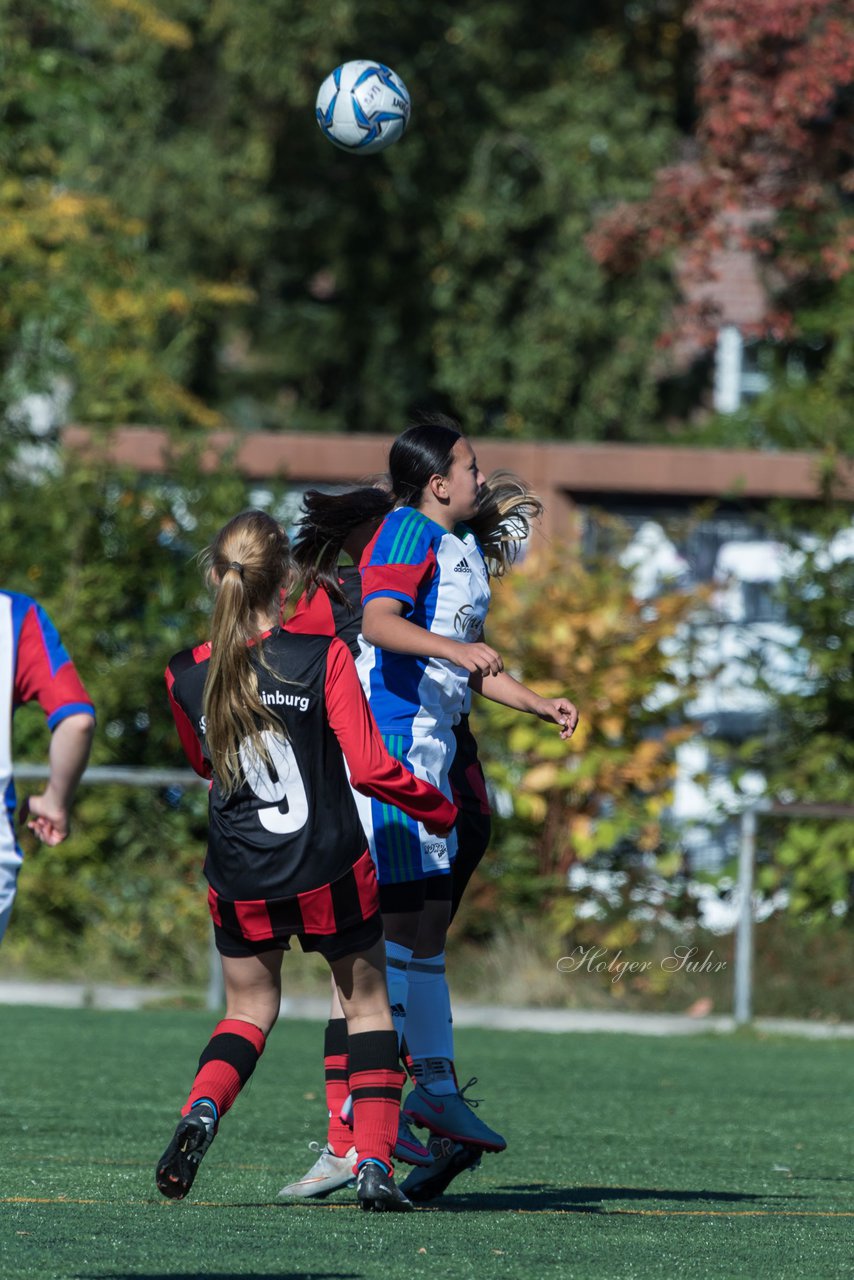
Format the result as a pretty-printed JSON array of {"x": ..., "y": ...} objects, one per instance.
[{"x": 235, "y": 564}]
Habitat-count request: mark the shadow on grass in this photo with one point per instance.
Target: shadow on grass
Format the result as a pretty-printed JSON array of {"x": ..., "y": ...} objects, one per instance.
[
  {"x": 530, "y": 1198},
  {"x": 535, "y": 1198}
]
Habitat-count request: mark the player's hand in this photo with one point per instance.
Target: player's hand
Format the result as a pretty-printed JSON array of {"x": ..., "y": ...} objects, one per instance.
[
  {"x": 47, "y": 821},
  {"x": 442, "y": 829},
  {"x": 479, "y": 659},
  {"x": 559, "y": 711}
]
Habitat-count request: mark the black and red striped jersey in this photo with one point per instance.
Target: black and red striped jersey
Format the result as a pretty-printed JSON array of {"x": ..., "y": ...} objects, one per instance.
[
  {"x": 322, "y": 616},
  {"x": 293, "y": 827}
]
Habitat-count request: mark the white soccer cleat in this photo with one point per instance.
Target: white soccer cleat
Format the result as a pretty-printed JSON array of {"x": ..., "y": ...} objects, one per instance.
[{"x": 328, "y": 1173}]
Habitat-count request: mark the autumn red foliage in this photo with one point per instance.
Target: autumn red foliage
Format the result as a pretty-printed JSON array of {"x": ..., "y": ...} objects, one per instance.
[{"x": 771, "y": 165}]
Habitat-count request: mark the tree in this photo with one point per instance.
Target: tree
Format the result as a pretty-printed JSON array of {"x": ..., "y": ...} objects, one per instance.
[
  {"x": 531, "y": 338},
  {"x": 604, "y": 799},
  {"x": 807, "y": 755},
  {"x": 770, "y": 167},
  {"x": 180, "y": 245},
  {"x": 92, "y": 307}
]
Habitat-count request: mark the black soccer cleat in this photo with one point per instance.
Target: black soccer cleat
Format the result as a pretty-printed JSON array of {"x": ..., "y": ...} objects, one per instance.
[
  {"x": 179, "y": 1164},
  {"x": 449, "y": 1160},
  {"x": 378, "y": 1192}
]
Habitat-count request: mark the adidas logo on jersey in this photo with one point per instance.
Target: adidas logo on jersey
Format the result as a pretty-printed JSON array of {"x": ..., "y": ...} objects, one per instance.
[{"x": 462, "y": 567}]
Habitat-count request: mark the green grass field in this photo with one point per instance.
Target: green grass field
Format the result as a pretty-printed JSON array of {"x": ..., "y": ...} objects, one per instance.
[{"x": 628, "y": 1157}]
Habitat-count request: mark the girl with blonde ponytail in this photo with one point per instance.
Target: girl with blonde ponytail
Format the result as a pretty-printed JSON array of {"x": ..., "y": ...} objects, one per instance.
[
  {"x": 246, "y": 564},
  {"x": 269, "y": 717}
]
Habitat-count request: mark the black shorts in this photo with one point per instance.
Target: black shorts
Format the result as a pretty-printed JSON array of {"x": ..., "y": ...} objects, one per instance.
[
  {"x": 468, "y": 784},
  {"x": 335, "y": 919},
  {"x": 410, "y": 895},
  {"x": 473, "y": 826},
  {"x": 349, "y": 941}
]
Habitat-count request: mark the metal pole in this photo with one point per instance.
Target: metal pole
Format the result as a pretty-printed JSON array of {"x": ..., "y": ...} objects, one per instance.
[
  {"x": 127, "y": 776},
  {"x": 743, "y": 994},
  {"x": 215, "y": 998}
]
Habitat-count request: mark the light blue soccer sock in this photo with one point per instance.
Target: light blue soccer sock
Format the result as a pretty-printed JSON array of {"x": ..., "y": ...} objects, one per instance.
[
  {"x": 381, "y": 1164},
  {"x": 207, "y": 1102},
  {"x": 429, "y": 1025},
  {"x": 397, "y": 960}
]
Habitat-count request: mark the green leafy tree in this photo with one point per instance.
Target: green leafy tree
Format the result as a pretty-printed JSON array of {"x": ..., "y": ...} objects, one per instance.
[
  {"x": 532, "y": 337},
  {"x": 180, "y": 245},
  {"x": 602, "y": 798},
  {"x": 90, "y": 298},
  {"x": 807, "y": 754}
]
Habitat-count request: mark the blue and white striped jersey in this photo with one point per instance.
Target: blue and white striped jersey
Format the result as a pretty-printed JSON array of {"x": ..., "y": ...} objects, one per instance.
[{"x": 442, "y": 582}]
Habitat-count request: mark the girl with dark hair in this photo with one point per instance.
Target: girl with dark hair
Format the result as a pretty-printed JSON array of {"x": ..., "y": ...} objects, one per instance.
[
  {"x": 277, "y": 722},
  {"x": 330, "y": 594},
  {"x": 426, "y": 594},
  {"x": 425, "y": 587},
  {"x": 330, "y": 603}
]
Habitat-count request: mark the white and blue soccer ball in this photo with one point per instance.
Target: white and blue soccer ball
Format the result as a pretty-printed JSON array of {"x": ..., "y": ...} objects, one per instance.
[{"x": 363, "y": 107}]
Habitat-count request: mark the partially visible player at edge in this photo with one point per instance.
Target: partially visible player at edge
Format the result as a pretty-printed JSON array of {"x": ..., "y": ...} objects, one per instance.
[
  {"x": 417, "y": 978},
  {"x": 34, "y": 665},
  {"x": 270, "y": 718}
]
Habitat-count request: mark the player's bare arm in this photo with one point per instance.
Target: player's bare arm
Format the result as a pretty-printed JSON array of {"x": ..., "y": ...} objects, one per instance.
[
  {"x": 503, "y": 688},
  {"x": 384, "y": 626},
  {"x": 69, "y": 751}
]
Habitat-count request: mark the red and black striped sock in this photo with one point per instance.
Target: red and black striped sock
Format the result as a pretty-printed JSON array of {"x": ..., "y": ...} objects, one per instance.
[
  {"x": 226, "y": 1064},
  {"x": 376, "y": 1081},
  {"x": 336, "y": 1060}
]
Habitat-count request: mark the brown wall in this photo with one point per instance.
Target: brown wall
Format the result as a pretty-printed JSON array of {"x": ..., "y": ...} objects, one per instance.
[{"x": 562, "y": 474}]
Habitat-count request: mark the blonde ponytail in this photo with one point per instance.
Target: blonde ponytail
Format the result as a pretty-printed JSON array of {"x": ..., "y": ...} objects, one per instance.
[{"x": 246, "y": 564}]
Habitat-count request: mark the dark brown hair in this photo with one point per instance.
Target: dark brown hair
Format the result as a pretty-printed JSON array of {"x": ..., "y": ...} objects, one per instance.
[{"x": 329, "y": 520}]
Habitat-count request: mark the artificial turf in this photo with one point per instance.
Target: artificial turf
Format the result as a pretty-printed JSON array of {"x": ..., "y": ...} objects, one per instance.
[{"x": 628, "y": 1157}]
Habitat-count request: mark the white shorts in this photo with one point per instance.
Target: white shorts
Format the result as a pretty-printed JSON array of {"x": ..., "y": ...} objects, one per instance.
[{"x": 10, "y": 865}]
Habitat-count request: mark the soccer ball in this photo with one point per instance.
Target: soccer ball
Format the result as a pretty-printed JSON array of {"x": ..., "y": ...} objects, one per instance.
[{"x": 363, "y": 107}]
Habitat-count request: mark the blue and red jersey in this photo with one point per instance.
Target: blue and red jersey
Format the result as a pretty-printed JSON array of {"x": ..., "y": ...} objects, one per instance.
[
  {"x": 441, "y": 580},
  {"x": 34, "y": 667}
]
